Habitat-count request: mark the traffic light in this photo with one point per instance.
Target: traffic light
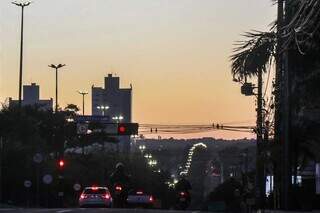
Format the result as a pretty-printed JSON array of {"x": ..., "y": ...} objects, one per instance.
[
  {"x": 247, "y": 89},
  {"x": 61, "y": 164},
  {"x": 128, "y": 128}
]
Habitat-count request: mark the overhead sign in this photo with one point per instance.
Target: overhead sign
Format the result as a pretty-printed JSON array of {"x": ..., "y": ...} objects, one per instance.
[
  {"x": 92, "y": 118},
  {"x": 109, "y": 129}
]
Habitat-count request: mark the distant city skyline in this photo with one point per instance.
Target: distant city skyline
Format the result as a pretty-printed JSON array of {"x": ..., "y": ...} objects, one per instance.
[{"x": 174, "y": 52}]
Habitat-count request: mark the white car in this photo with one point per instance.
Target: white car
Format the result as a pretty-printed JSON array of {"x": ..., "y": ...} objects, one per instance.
[{"x": 95, "y": 196}]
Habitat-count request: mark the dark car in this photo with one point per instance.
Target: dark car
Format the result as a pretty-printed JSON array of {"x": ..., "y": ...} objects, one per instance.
[
  {"x": 95, "y": 197},
  {"x": 139, "y": 198}
]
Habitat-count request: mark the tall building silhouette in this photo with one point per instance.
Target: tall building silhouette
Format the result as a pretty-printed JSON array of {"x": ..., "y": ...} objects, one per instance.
[
  {"x": 31, "y": 97},
  {"x": 116, "y": 104},
  {"x": 118, "y": 100}
]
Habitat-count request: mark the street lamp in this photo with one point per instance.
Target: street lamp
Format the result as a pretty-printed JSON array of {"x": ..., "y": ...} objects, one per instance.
[
  {"x": 103, "y": 109},
  {"x": 83, "y": 94},
  {"x": 22, "y": 5},
  {"x": 56, "y": 67},
  {"x": 118, "y": 119},
  {"x": 142, "y": 148}
]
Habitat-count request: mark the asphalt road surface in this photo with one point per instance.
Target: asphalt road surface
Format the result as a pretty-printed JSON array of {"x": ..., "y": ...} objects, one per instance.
[{"x": 91, "y": 210}]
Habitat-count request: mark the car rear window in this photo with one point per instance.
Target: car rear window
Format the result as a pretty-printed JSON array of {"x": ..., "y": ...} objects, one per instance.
[{"x": 96, "y": 191}]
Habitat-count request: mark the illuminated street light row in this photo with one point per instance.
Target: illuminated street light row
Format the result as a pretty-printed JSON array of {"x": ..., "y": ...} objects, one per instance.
[
  {"x": 104, "y": 108},
  {"x": 152, "y": 163},
  {"x": 118, "y": 118},
  {"x": 148, "y": 156},
  {"x": 190, "y": 155}
]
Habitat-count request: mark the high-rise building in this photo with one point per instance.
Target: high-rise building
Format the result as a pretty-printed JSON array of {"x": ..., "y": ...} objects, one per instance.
[
  {"x": 116, "y": 104},
  {"x": 112, "y": 101},
  {"x": 31, "y": 96}
]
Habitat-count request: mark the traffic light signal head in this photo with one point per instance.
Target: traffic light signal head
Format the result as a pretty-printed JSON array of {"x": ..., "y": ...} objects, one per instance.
[
  {"x": 61, "y": 163},
  {"x": 128, "y": 128},
  {"x": 122, "y": 129}
]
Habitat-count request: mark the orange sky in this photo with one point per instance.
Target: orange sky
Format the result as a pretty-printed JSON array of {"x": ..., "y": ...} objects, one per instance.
[{"x": 174, "y": 52}]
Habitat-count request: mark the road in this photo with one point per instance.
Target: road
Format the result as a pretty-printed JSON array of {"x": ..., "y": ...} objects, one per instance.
[{"x": 92, "y": 210}]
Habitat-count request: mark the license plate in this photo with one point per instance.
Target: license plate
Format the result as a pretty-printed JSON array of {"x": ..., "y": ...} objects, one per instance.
[
  {"x": 182, "y": 199},
  {"x": 117, "y": 192}
]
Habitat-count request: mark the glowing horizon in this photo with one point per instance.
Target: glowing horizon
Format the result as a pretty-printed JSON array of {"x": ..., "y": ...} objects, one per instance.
[{"x": 174, "y": 52}]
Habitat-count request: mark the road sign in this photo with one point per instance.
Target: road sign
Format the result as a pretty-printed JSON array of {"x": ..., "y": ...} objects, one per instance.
[
  {"x": 77, "y": 187},
  {"x": 37, "y": 158},
  {"x": 92, "y": 118},
  {"x": 82, "y": 128},
  {"x": 27, "y": 183},
  {"x": 47, "y": 179}
]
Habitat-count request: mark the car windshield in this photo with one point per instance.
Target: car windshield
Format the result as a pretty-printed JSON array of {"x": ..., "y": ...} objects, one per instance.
[{"x": 96, "y": 191}]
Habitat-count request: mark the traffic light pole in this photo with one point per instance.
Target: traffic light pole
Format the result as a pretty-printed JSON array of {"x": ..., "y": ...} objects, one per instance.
[{"x": 61, "y": 182}]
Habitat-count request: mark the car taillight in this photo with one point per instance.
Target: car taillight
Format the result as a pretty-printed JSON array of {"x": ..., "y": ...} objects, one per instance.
[
  {"x": 151, "y": 199},
  {"x": 118, "y": 188},
  {"x": 106, "y": 196},
  {"x": 182, "y": 194},
  {"x": 82, "y": 196}
]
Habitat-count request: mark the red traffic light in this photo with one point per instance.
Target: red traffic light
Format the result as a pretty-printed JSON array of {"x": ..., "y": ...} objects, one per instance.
[
  {"x": 128, "y": 129},
  {"x": 122, "y": 129},
  {"x": 61, "y": 163}
]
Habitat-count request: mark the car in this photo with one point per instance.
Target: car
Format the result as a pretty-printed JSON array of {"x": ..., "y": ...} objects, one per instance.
[
  {"x": 138, "y": 198},
  {"x": 95, "y": 197}
]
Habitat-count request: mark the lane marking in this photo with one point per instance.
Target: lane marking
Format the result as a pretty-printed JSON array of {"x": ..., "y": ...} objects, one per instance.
[{"x": 63, "y": 211}]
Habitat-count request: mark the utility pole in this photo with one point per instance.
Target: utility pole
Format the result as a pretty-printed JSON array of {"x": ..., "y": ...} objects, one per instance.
[
  {"x": 56, "y": 67},
  {"x": 286, "y": 148},
  {"x": 83, "y": 94},
  {"x": 22, "y": 5},
  {"x": 286, "y": 143},
  {"x": 260, "y": 185},
  {"x": 278, "y": 94}
]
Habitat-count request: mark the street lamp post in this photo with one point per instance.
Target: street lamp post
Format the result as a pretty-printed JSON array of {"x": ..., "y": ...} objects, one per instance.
[
  {"x": 56, "y": 67},
  {"x": 103, "y": 109},
  {"x": 118, "y": 119},
  {"x": 83, "y": 94},
  {"x": 22, "y": 5}
]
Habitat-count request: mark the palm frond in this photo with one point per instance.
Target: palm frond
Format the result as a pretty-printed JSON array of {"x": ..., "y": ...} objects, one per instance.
[{"x": 253, "y": 55}]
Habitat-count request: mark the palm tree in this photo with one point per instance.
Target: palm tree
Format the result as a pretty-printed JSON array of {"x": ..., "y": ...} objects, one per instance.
[
  {"x": 253, "y": 55},
  {"x": 252, "y": 58}
]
